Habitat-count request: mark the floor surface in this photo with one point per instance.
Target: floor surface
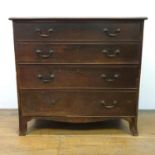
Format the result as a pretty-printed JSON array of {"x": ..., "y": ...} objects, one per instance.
[{"x": 51, "y": 138}]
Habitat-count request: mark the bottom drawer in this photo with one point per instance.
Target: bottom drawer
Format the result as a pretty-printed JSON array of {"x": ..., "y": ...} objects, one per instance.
[{"x": 78, "y": 103}]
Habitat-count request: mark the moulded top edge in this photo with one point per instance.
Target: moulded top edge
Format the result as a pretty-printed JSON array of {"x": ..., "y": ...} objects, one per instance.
[{"x": 75, "y": 18}]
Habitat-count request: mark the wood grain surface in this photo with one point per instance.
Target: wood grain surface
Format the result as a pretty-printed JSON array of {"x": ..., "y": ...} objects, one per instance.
[{"x": 48, "y": 137}]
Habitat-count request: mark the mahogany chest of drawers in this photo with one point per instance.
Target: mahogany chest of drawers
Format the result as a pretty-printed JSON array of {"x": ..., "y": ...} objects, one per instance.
[{"x": 78, "y": 70}]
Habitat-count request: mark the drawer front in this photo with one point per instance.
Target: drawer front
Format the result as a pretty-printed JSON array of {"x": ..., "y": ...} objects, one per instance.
[
  {"x": 77, "y": 31},
  {"x": 78, "y": 53},
  {"x": 78, "y": 103},
  {"x": 78, "y": 76}
]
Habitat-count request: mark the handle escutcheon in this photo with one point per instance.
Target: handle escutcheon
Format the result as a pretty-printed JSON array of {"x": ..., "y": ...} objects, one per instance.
[
  {"x": 44, "y": 35},
  {"x": 110, "y": 78},
  {"x": 41, "y": 54},
  {"x": 111, "y": 53},
  {"x": 109, "y": 106},
  {"x": 46, "y": 79},
  {"x": 111, "y": 33}
]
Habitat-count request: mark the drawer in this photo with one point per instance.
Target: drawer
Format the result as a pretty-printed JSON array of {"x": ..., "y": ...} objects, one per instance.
[
  {"x": 78, "y": 103},
  {"x": 77, "y": 31},
  {"x": 78, "y": 76},
  {"x": 108, "y": 53}
]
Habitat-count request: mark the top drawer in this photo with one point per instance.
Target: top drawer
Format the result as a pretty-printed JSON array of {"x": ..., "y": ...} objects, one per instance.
[{"x": 77, "y": 31}]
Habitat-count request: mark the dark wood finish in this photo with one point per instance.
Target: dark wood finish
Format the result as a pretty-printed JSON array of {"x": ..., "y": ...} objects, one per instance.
[
  {"x": 78, "y": 70},
  {"x": 22, "y": 125},
  {"x": 77, "y": 76},
  {"x": 78, "y": 103},
  {"x": 107, "y": 53},
  {"x": 78, "y": 31},
  {"x": 75, "y": 19},
  {"x": 133, "y": 126}
]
